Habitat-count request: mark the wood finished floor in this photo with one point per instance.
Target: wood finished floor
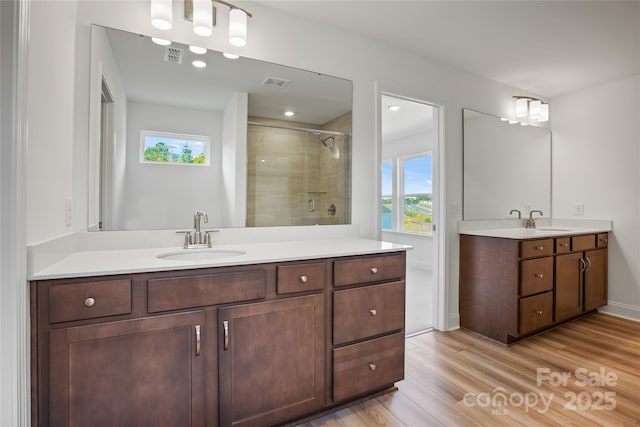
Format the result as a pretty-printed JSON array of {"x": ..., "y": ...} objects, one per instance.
[{"x": 444, "y": 367}]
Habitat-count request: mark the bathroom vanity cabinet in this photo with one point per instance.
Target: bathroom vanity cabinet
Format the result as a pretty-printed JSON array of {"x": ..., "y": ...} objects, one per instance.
[
  {"x": 252, "y": 345},
  {"x": 512, "y": 288}
]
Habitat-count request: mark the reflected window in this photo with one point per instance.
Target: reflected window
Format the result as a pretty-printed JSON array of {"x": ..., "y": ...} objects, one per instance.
[
  {"x": 387, "y": 195},
  {"x": 172, "y": 148}
]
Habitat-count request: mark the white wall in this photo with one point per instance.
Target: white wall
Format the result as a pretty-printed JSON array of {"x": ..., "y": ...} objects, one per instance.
[
  {"x": 160, "y": 196},
  {"x": 50, "y": 115},
  {"x": 234, "y": 161},
  {"x": 596, "y": 153}
]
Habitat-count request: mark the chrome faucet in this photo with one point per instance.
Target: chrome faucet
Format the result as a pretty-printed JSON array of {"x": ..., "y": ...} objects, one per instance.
[
  {"x": 516, "y": 210},
  {"x": 197, "y": 235},
  {"x": 201, "y": 238},
  {"x": 531, "y": 223}
]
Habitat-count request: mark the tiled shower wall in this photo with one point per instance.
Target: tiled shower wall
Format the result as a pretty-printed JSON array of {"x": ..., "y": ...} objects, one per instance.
[{"x": 292, "y": 178}]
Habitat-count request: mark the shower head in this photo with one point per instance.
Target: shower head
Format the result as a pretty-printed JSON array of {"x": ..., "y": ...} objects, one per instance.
[{"x": 323, "y": 141}]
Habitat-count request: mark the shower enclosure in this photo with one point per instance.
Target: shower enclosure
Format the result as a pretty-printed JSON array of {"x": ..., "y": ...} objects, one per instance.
[{"x": 297, "y": 176}]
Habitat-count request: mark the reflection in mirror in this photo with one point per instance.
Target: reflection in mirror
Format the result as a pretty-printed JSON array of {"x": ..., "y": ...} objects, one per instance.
[
  {"x": 506, "y": 166},
  {"x": 257, "y": 167}
]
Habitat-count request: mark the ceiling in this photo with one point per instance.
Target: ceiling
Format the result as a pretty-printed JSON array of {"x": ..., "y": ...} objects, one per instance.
[{"x": 545, "y": 47}]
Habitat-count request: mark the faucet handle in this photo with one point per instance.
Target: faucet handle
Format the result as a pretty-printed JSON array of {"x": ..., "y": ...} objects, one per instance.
[
  {"x": 207, "y": 236},
  {"x": 187, "y": 237}
]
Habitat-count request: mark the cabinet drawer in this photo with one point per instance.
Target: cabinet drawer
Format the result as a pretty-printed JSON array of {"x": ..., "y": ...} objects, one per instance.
[
  {"x": 301, "y": 277},
  {"x": 78, "y": 301},
  {"x": 536, "y": 275},
  {"x": 536, "y": 312},
  {"x": 366, "y": 366},
  {"x": 211, "y": 289},
  {"x": 536, "y": 248},
  {"x": 362, "y": 270},
  {"x": 367, "y": 311},
  {"x": 582, "y": 243},
  {"x": 563, "y": 245},
  {"x": 603, "y": 240}
]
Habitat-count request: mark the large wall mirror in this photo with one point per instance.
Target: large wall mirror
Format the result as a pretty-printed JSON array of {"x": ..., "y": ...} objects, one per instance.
[
  {"x": 506, "y": 166},
  {"x": 167, "y": 138}
]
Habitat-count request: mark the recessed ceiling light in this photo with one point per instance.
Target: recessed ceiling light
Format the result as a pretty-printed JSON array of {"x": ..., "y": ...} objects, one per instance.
[
  {"x": 524, "y": 124},
  {"x": 161, "y": 42},
  {"x": 289, "y": 113},
  {"x": 230, "y": 55},
  {"x": 394, "y": 107},
  {"x": 199, "y": 64},
  {"x": 198, "y": 50},
  {"x": 504, "y": 119},
  {"x": 513, "y": 122}
]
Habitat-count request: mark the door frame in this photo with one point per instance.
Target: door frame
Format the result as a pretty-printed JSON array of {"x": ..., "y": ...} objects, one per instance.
[{"x": 440, "y": 296}]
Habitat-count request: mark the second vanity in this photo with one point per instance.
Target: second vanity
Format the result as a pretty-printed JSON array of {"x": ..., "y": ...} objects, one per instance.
[
  {"x": 517, "y": 282},
  {"x": 257, "y": 341}
]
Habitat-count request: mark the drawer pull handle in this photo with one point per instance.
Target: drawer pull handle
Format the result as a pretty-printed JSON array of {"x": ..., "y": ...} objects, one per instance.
[
  {"x": 604, "y": 240},
  {"x": 373, "y": 270},
  {"x": 89, "y": 302},
  {"x": 564, "y": 245},
  {"x": 373, "y": 312},
  {"x": 538, "y": 311},
  {"x": 372, "y": 366},
  {"x": 225, "y": 326},
  {"x": 539, "y": 248},
  {"x": 539, "y": 275},
  {"x": 197, "y": 340},
  {"x": 304, "y": 279}
]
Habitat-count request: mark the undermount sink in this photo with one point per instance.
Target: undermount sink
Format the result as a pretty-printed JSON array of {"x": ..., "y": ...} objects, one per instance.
[
  {"x": 553, "y": 229},
  {"x": 200, "y": 255}
]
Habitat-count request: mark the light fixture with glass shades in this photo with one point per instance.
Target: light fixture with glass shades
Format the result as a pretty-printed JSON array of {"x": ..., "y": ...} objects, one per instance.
[
  {"x": 162, "y": 14},
  {"x": 203, "y": 15},
  {"x": 533, "y": 108}
]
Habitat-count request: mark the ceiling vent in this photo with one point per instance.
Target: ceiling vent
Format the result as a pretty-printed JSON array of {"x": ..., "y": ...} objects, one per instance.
[
  {"x": 173, "y": 55},
  {"x": 275, "y": 82}
]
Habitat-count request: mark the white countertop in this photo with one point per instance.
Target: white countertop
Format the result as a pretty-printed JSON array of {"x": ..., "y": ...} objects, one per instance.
[
  {"x": 123, "y": 261},
  {"x": 534, "y": 233}
]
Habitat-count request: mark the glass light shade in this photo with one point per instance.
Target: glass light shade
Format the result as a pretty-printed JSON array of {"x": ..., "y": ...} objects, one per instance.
[
  {"x": 203, "y": 17},
  {"x": 535, "y": 109},
  {"x": 237, "y": 27},
  {"x": 522, "y": 107},
  {"x": 197, "y": 50},
  {"x": 161, "y": 42},
  {"x": 162, "y": 14},
  {"x": 544, "y": 113}
]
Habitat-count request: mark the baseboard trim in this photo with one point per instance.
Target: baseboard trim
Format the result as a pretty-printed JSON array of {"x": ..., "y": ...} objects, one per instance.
[
  {"x": 618, "y": 309},
  {"x": 453, "y": 322}
]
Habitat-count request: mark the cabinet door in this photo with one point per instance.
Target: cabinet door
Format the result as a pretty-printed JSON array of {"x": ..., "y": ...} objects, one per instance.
[
  {"x": 568, "y": 291},
  {"x": 142, "y": 372},
  {"x": 272, "y": 360},
  {"x": 595, "y": 279}
]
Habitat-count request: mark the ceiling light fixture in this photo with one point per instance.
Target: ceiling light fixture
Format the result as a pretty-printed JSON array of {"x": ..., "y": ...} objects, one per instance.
[
  {"x": 199, "y": 64},
  {"x": 197, "y": 50},
  {"x": 394, "y": 107},
  {"x": 289, "y": 113},
  {"x": 162, "y": 14},
  {"x": 203, "y": 15},
  {"x": 533, "y": 108},
  {"x": 230, "y": 55},
  {"x": 161, "y": 42}
]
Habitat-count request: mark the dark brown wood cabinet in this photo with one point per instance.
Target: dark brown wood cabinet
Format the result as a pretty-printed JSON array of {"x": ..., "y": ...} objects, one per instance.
[
  {"x": 141, "y": 372},
  {"x": 251, "y": 345},
  {"x": 511, "y": 288},
  {"x": 272, "y": 359}
]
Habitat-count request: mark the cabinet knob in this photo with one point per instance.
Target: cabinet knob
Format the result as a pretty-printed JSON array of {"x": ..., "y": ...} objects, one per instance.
[
  {"x": 304, "y": 278},
  {"x": 538, "y": 311},
  {"x": 539, "y": 248},
  {"x": 539, "y": 275},
  {"x": 89, "y": 302},
  {"x": 373, "y": 270},
  {"x": 604, "y": 240},
  {"x": 564, "y": 245},
  {"x": 373, "y": 311},
  {"x": 372, "y": 366}
]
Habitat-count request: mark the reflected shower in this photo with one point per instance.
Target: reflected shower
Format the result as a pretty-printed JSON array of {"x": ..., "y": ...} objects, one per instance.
[{"x": 335, "y": 151}]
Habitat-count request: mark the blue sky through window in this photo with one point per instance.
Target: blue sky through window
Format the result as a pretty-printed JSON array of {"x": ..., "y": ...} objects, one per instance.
[
  {"x": 417, "y": 175},
  {"x": 387, "y": 178}
]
